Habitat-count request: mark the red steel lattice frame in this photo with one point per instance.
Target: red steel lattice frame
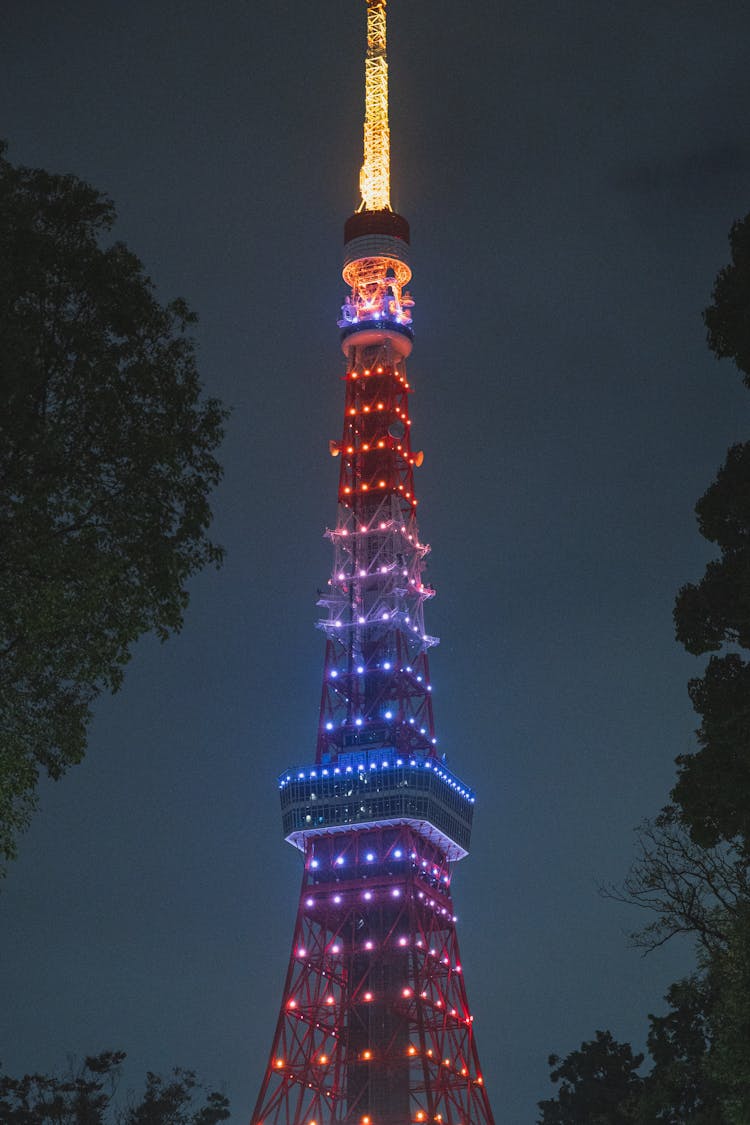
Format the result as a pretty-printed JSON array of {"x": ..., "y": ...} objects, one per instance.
[
  {"x": 375, "y": 1025},
  {"x": 376, "y": 672}
]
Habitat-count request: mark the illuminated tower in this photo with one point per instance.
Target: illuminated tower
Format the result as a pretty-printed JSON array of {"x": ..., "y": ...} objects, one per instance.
[{"x": 375, "y": 1026}]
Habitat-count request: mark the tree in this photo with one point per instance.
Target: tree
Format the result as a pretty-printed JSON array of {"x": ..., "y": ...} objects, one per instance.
[
  {"x": 730, "y": 1021},
  {"x": 86, "y": 1096},
  {"x": 713, "y": 785},
  {"x": 106, "y": 463},
  {"x": 693, "y": 869},
  {"x": 680, "y": 1088},
  {"x": 599, "y": 1085},
  {"x": 691, "y": 890}
]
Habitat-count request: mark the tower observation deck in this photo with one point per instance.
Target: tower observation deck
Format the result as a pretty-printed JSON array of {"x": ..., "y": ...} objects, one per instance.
[{"x": 375, "y": 1026}]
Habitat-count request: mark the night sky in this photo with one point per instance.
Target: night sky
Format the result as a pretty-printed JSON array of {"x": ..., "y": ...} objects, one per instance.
[{"x": 570, "y": 172}]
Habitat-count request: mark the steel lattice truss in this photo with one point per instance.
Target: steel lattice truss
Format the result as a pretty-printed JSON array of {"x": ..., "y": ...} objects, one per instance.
[
  {"x": 375, "y": 1026},
  {"x": 374, "y": 178},
  {"x": 376, "y": 680}
]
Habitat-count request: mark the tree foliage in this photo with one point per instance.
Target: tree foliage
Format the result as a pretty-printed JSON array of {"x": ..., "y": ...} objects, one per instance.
[
  {"x": 86, "y": 1096},
  {"x": 692, "y": 873},
  {"x": 599, "y": 1085},
  {"x": 686, "y": 888},
  {"x": 680, "y": 1088},
  {"x": 106, "y": 463},
  {"x": 713, "y": 784}
]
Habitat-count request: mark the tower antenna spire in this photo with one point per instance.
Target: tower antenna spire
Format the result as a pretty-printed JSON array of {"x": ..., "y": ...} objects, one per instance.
[{"x": 374, "y": 178}]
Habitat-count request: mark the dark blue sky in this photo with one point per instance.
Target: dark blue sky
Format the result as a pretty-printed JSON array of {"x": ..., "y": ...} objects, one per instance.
[{"x": 570, "y": 172}]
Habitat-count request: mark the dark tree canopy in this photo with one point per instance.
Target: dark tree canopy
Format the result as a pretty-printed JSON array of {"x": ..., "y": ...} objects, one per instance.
[
  {"x": 713, "y": 785},
  {"x": 728, "y": 318},
  {"x": 693, "y": 871},
  {"x": 599, "y": 1085},
  {"x": 86, "y": 1096},
  {"x": 680, "y": 1089},
  {"x": 106, "y": 463}
]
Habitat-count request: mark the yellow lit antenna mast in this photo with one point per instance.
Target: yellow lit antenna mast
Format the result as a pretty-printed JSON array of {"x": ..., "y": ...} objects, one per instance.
[
  {"x": 374, "y": 179},
  {"x": 376, "y": 239}
]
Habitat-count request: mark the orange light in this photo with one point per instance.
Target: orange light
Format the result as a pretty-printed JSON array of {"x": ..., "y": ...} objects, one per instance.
[
  {"x": 420, "y": 1116},
  {"x": 347, "y": 488},
  {"x": 380, "y": 406},
  {"x": 381, "y": 445},
  {"x": 352, "y": 410},
  {"x": 350, "y": 449},
  {"x": 292, "y": 1004},
  {"x": 406, "y": 992},
  {"x": 412, "y": 1050},
  {"x": 365, "y": 446},
  {"x": 367, "y": 410},
  {"x": 446, "y": 1062},
  {"x": 479, "y": 1080},
  {"x": 365, "y": 487},
  {"x": 278, "y": 1063},
  {"x": 323, "y": 1060},
  {"x": 381, "y": 484},
  {"x": 367, "y": 1055},
  {"x": 364, "y": 1120},
  {"x": 429, "y": 1052}
]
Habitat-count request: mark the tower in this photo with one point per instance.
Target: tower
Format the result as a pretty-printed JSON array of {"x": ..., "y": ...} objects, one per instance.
[{"x": 375, "y": 1026}]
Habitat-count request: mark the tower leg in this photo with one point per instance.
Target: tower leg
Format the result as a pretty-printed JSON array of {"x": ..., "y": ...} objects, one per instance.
[{"x": 374, "y": 1027}]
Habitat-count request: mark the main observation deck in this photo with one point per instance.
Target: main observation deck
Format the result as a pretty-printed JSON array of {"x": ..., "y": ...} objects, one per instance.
[{"x": 367, "y": 788}]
